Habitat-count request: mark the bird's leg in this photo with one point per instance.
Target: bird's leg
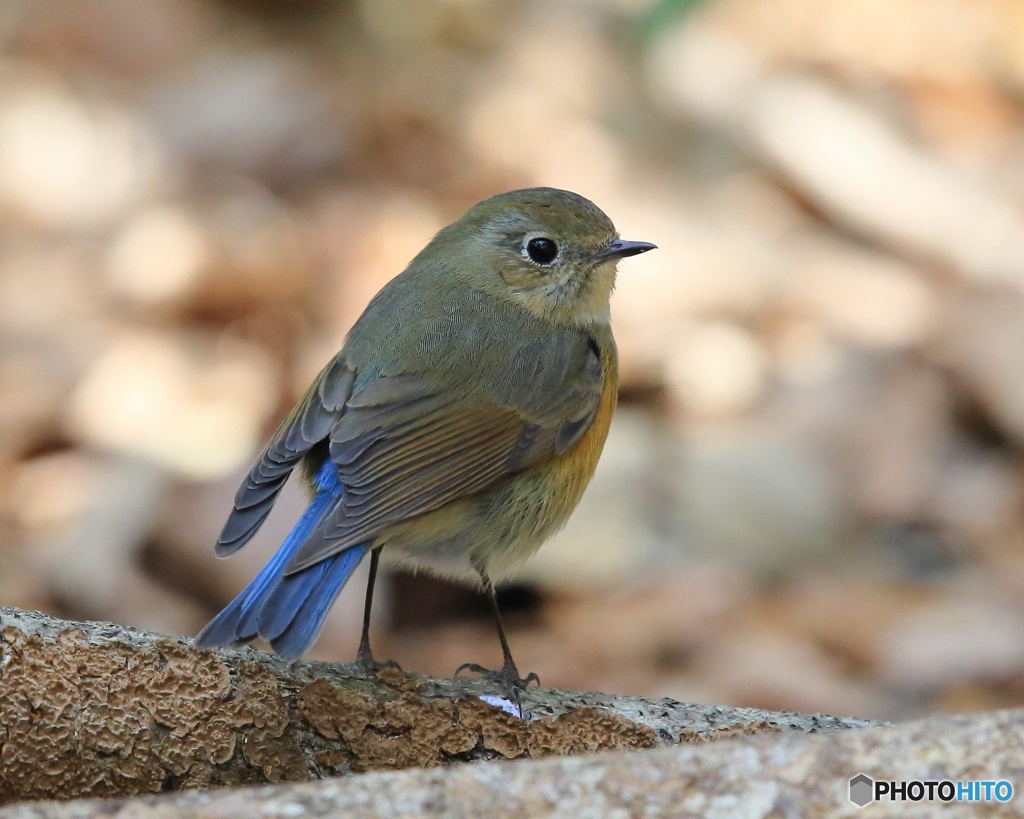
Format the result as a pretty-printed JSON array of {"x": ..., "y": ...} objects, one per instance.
[
  {"x": 364, "y": 656},
  {"x": 509, "y": 674}
]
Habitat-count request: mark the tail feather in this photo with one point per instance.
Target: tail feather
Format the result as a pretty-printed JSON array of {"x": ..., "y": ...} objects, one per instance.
[
  {"x": 288, "y": 610},
  {"x": 295, "y": 610}
]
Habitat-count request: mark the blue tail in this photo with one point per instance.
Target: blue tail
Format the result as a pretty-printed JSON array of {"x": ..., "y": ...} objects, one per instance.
[{"x": 288, "y": 610}]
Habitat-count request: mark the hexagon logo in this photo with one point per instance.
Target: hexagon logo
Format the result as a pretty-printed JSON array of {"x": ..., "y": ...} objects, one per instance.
[{"x": 862, "y": 790}]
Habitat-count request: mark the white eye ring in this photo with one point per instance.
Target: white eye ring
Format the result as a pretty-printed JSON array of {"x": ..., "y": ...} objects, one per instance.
[{"x": 540, "y": 250}]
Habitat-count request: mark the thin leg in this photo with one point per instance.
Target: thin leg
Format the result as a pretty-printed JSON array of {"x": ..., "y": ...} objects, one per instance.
[
  {"x": 509, "y": 674},
  {"x": 364, "y": 656},
  {"x": 509, "y": 664}
]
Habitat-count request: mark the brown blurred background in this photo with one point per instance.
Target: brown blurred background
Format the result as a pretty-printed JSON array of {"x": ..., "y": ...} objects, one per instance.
[{"x": 812, "y": 494}]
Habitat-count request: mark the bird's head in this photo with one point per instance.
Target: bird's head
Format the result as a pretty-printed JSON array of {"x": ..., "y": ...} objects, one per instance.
[{"x": 551, "y": 251}]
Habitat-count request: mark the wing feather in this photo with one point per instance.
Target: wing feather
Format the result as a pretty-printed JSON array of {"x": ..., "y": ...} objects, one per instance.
[
  {"x": 401, "y": 460},
  {"x": 309, "y": 423},
  {"x": 403, "y": 446}
]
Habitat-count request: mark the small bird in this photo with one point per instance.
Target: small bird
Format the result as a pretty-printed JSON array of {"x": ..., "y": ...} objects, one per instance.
[{"x": 456, "y": 429}]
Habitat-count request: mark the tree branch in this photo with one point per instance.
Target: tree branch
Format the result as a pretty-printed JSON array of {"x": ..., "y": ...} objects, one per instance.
[
  {"x": 93, "y": 709},
  {"x": 790, "y": 774}
]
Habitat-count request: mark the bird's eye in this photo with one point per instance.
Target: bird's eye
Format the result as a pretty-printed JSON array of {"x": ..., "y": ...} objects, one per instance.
[{"x": 541, "y": 250}]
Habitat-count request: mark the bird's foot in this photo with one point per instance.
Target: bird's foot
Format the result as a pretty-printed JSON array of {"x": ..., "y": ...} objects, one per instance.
[
  {"x": 368, "y": 665},
  {"x": 509, "y": 680},
  {"x": 507, "y": 676}
]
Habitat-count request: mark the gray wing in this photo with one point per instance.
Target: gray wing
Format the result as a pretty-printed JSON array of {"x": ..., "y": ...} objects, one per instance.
[
  {"x": 306, "y": 425},
  {"x": 403, "y": 448}
]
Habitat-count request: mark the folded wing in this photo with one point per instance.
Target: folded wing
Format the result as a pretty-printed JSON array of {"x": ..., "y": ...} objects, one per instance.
[
  {"x": 403, "y": 448},
  {"x": 307, "y": 424}
]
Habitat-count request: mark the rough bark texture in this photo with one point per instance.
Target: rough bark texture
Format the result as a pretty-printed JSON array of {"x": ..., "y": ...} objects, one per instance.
[
  {"x": 96, "y": 710},
  {"x": 781, "y": 775}
]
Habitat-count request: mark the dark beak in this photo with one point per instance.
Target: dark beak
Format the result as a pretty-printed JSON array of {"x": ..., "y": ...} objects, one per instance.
[{"x": 620, "y": 249}]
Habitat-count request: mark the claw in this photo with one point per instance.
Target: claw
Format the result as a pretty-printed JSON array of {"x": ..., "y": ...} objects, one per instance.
[
  {"x": 368, "y": 665},
  {"x": 509, "y": 679},
  {"x": 508, "y": 675}
]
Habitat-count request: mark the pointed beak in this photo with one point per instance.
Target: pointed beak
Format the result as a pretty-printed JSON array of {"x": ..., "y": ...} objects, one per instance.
[{"x": 620, "y": 249}]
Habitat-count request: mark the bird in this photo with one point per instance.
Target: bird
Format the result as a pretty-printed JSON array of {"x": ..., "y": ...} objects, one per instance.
[{"x": 457, "y": 428}]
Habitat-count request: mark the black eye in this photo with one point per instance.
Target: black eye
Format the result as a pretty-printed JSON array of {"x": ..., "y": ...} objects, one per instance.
[{"x": 541, "y": 250}]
